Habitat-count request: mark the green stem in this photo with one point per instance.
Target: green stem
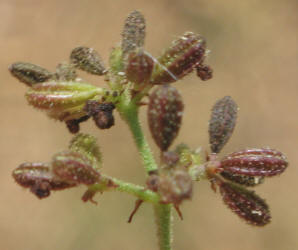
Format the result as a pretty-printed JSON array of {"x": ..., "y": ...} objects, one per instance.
[
  {"x": 163, "y": 218},
  {"x": 129, "y": 113}
]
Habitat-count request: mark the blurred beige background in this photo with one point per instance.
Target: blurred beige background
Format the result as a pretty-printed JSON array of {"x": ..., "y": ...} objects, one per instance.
[{"x": 254, "y": 55}]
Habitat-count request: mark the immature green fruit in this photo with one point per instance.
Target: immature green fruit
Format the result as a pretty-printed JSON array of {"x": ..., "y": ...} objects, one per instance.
[
  {"x": 87, "y": 59},
  {"x": 246, "y": 204},
  {"x": 29, "y": 73},
  {"x": 222, "y": 123},
  {"x": 165, "y": 112},
  {"x": 74, "y": 168},
  {"x": 62, "y": 100},
  {"x": 180, "y": 59},
  {"x": 86, "y": 145},
  {"x": 133, "y": 34}
]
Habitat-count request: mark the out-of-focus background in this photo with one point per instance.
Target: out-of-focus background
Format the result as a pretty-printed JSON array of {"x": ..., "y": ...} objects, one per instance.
[{"x": 254, "y": 56}]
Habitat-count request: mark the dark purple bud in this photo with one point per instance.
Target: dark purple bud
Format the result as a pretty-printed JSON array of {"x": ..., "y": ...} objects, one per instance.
[
  {"x": 74, "y": 124},
  {"x": 180, "y": 59},
  {"x": 255, "y": 162},
  {"x": 74, "y": 167},
  {"x": 139, "y": 67},
  {"x": 246, "y": 204},
  {"x": 29, "y": 74},
  {"x": 222, "y": 123},
  {"x": 102, "y": 113},
  {"x": 133, "y": 34},
  {"x": 204, "y": 72},
  {"x": 87, "y": 59},
  {"x": 248, "y": 181},
  {"x": 165, "y": 112}
]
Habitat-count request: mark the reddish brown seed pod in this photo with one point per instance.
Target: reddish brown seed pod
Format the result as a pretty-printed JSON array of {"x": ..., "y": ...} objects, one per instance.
[
  {"x": 248, "y": 181},
  {"x": 246, "y": 204},
  {"x": 133, "y": 34},
  {"x": 139, "y": 67},
  {"x": 74, "y": 167},
  {"x": 180, "y": 59},
  {"x": 29, "y": 73},
  {"x": 165, "y": 112},
  {"x": 87, "y": 59},
  {"x": 255, "y": 162},
  {"x": 39, "y": 178},
  {"x": 222, "y": 123}
]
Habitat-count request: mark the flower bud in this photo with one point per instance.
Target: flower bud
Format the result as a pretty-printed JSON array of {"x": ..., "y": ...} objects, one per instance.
[
  {"x": 62, "y": 100},
  {"x": 165, "y": 111},
  {"x": 74, "y": 167},
  {"x": 204, "y": 72},
  {"x": 255, "y": 162},
  {"x": 139, "y": 67},
  {"x": 86, "y": 145},
  {"x": 180, "y": 59},
  {"x": 87, "y": 59},
  {"x": 222, "y": 123},
  {"x": 39, "y": 178},
  {"x": 133, "y": 34},
  {"x": 175, "y": 188},
  {"x": 29, "y": 74},
  {"x": 248, "y": 181},
  {"x": 74, "y": 124},
  {"x": 246, "y": 204}
]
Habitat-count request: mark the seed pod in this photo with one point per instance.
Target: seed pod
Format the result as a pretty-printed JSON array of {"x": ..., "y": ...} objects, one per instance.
[
  {"x": 29, "y": 74},
  {"x": 222, "y": 123},
  {"x": 248, "y": 181},
  {"x": 87, "y": 59},
  {"x": 62, "y": 100},
  {"x": 165, "y": 111},
  {"x": 86, "y": 145},
  {"x": 133, "y": 34},
  {"x": 139, "y": 67},
  {"x": 175, "y": 188},
  {"x": 74, "y": 167},
  {"x": 255, "y": 162},
  {"x": 102, "y": 113},
  {"x": 246, "y": 204},
  {"x": 204, "y": 72},
  {"x": 39, "y": 178},
  {"x": 180, "y": 59}
]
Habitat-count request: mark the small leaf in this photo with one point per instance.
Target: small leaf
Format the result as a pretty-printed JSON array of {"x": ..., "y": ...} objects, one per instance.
[
  {"x": 87, "y": 59},
  {"x": 222, "y": 123},
  {"x": 180, "y": 59},
  {"x": 255, "y": 162},
  {"x": 133, "y": 34},
  {"x": 165, "y": 111},
  {"x": 74, "y": 167},
  {"x": 29, "y": 73},
  {"x": 246, "y": 204}
]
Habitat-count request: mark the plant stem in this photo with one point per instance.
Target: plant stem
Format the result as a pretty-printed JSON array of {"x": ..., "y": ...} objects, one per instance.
[
  {"x": 163, "y": 218},
  {"x": 129, "y": 113}
]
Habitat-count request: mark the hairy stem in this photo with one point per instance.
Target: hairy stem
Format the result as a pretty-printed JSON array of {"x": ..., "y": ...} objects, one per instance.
[{"x": 163, "y": 219}]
